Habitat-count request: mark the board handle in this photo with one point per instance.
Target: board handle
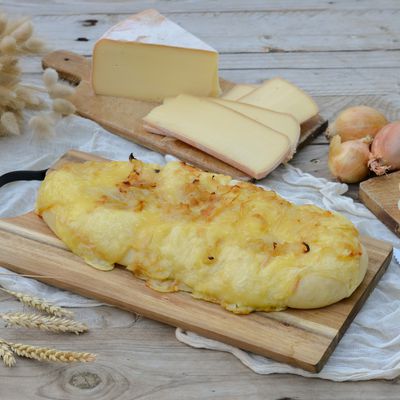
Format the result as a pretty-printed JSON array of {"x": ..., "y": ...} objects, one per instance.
[
  {"x": 14, "y": 176},
  {"x": 70, "y": 66}
]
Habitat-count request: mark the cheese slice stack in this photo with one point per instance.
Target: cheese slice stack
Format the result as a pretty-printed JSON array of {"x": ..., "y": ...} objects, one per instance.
[
  {"x": 222, "y": 132},
  {"x": 280, "y": 95},
  {"x": 148, "y": 57},
  {"x": 280, "y": 122}
]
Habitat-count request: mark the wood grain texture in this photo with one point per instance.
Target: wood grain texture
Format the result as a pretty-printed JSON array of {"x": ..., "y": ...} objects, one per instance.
[
  {"x": 54, "y": 7},
  {"x": 338, "y": 29},
  {"x": 124, "y": 116},
  {"x": 381, "y": 195},
  {"x": 303, "y": 338},
  {"x": 138, "y": 358}
]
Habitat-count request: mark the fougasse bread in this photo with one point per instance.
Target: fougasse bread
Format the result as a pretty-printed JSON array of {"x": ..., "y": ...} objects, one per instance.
[{"x": 180, "y": 228}]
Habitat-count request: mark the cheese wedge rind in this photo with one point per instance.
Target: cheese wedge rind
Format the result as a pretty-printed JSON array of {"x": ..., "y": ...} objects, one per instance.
[
  {"x": 280, "y": 122},
  {"x": 280, "y": 95},
  {"x": 148, "y": 57},
  {"x": 222, "y": 132}
]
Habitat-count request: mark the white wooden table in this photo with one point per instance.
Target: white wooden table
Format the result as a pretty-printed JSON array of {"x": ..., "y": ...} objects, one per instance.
[{"x": 342, "y": 52}]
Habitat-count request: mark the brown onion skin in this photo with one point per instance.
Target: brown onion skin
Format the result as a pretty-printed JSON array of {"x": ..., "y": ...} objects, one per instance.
[
  {"x": 385, "y": 150},
  {"x": 356, "y": 123},
  {"x": 348, "y": 161}
]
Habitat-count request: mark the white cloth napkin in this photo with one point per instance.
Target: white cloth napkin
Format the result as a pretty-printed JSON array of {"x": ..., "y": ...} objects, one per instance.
[{"x": 371, "y": 347}]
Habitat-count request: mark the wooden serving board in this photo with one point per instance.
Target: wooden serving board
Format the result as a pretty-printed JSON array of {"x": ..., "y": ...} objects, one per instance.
[
  {"x": 381, "y": 195},
  {"x": 303, "y": 338},
  {"x": 123, "y": 116}
]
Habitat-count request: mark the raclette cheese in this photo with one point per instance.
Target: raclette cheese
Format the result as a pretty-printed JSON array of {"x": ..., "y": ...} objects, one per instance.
[
  {"x": 280, "y": 95},
  {"x": 222, "y": 132},
  {"x": 283, "y": 123},
  {"x": 238, "y": 91},
  {"x": 148, "y": 57}
]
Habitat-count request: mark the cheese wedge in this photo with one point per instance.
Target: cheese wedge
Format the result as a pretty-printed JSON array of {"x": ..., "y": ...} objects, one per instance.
[
  {"x": 280, "y": 122},
  {"x": 148, "y": 57},
  {"x": 280, "y": 95},
  {"x": 238, "y": 91},
  {"x": 222, "y": 132}
]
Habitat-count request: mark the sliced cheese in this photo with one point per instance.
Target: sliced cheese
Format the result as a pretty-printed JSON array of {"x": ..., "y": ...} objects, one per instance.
[
  {"x": 238, "y": 91},
  {"x": 149, "y": 57},
  {"x": 222, "y": 132},
  {"x": 280, "y": 95},
  {"x": 283, "y": 123}
]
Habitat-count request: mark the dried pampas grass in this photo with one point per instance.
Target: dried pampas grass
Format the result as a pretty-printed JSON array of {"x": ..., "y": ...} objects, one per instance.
[
  {"x": 8, "y": 45},
  {"x": 3, "y": 23},
  {"x": 16, "y": 38},
  {"x": 9, "y": 124},
  {"x": 50, "y": 77},
  {"x": 42, "y": 125},
  {"x": 29, "y": 98},
  {"x": 23, "y": 32},
  {"x": 63, "y": 107},
  {"x": 34, "y": 45},
  {"x": 61, "y": 91}
]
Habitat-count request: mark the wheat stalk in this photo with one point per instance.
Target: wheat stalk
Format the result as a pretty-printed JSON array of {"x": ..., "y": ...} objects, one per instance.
[
  {"x": 48, "y": 354},
  {"x": 52, "y": 324},
  {"x": 40, "y": 304},
  {"x": 6, "y": 354}
]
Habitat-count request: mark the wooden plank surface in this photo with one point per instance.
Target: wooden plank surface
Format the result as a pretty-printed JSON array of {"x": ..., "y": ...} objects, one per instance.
[
  {"x": 303, "y": 338},
  {"x": 338, "y": 29},
  {"x": 143, "y": 359},
  {"x": 382, "y": 195},
  {"x": 54, "y": 7}
]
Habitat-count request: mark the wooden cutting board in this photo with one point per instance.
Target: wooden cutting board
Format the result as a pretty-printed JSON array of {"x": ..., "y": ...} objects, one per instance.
[
  {"x": 303, "y": 338},
  {"x": 381, "y": 195},
  {"x": 123, "y": 116}
]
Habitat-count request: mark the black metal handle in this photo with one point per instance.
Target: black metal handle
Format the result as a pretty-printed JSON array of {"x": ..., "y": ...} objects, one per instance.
[{"x": 22, "y": 176}]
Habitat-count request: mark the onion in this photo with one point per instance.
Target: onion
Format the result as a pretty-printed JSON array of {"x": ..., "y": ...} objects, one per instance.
[
  {"x": 356, "y": 123},
  {"x": 348, "y": 161},
  {"x": 385, "y": 150}
]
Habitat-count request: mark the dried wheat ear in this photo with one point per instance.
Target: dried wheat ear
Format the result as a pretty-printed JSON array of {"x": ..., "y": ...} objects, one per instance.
[
  {"x": 8, "y": 351},
  {"x": 39, "y": 304},
  {"x": 55, "y": 321}
]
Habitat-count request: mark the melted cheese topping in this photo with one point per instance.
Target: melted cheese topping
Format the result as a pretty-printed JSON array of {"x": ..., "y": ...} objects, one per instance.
[{"x": 180, "y": 228}]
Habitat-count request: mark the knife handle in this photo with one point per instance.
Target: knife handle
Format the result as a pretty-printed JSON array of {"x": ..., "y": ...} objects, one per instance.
[{"x": 22, "y": 176}]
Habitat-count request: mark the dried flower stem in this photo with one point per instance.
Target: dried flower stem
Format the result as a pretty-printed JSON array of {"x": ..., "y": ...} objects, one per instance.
[
  {"x": 48, "y": 354},
  {"x": 52, "y": 324},
  {"x": 15, "y": 39},
  {"x": 6, "y": 354},
  {"x": 40, "y": 304}
]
